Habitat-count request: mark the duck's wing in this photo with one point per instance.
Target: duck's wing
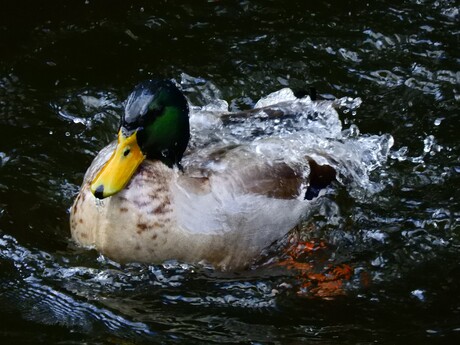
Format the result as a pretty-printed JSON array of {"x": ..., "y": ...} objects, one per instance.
[
  {"x": 248, "y": 172},
  {"x": 241, "y": 189}
]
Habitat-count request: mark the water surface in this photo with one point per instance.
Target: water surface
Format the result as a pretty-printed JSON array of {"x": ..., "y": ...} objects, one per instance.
[{"x": 65, "y": 69}]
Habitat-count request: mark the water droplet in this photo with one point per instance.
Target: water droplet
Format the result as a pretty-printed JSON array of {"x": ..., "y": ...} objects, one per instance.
[
  {"x": 419, "y": 294},
  {"x": 431, "y": 331},
  {"x": 3, "y": 158},
  {"x": 438, "y": 121},
  {"x": 428, "y": 142},
  {"x": 378, "y": 262},
  {"x": 401, "y": 154}
]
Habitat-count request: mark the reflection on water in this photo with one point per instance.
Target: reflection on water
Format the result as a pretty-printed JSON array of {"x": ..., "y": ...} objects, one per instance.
[{"x": 379, "y": 260}]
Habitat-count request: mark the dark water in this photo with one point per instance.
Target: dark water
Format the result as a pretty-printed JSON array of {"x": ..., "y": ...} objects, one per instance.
[{"x": 66, "y": 67}]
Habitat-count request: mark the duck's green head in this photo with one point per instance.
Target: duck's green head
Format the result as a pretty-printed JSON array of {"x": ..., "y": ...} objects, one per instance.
[{"x": 155, "y": 125}]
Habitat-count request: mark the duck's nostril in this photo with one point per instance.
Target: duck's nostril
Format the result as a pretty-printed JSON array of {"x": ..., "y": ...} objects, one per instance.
[{"x": 99, "y": 192}]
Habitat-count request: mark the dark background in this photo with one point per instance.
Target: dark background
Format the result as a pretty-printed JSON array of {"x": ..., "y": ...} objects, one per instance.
[{"x": 66, "y": 67}]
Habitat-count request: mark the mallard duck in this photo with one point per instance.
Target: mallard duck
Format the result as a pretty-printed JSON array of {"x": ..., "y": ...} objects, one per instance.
[{"x": 138, "y": 204}]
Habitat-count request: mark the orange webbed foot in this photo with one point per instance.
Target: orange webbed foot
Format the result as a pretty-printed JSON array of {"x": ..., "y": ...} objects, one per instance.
[{"x": 311, "y": 263}]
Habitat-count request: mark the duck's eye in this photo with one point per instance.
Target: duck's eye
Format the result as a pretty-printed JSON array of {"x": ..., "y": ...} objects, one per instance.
[{"x": 153, "y": 112}]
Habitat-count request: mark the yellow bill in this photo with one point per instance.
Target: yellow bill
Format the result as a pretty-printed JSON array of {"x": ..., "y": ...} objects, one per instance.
[{"x": 119, "y": 169}]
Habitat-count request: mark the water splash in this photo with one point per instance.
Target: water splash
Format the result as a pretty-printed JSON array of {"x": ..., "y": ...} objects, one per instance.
[
  {"x": 284, "y": 127},
  {"x": 86, "y": 293},
  {"x": 3, "y": 159}
]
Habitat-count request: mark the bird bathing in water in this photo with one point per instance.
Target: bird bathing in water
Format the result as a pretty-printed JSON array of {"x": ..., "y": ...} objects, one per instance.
[{"x": 139, "y": 202}]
